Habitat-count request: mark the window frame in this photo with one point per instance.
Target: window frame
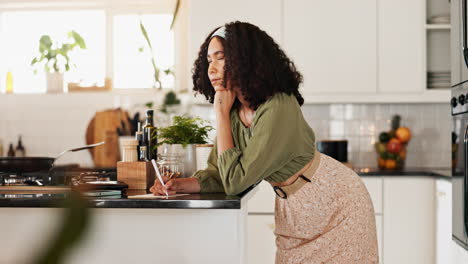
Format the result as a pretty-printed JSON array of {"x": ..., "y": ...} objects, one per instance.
[{"x": 111, "y": 8}]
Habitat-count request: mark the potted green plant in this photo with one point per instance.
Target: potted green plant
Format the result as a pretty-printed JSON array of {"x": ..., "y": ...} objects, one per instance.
[
  {"x": 170, "y": 103},
  {"x": 181, "y": 137},
  {"x": 55, "y": 58}
]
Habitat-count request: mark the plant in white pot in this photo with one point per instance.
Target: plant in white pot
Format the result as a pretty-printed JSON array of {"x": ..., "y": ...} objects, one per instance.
[
  {"x": 181, "y": 137},
  {"x": 55, "y": 58}
]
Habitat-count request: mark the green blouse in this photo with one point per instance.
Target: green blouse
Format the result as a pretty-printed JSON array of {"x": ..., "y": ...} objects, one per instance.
[{"x": 277, "y": 145}]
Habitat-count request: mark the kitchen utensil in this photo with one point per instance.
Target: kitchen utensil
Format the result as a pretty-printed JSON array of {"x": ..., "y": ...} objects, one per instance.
[
  {"x": 20, "y": 165},
  {"x": 159, "y": 175},
  {"x": 128, "y": 148},
  {"x": 105, "y": 125},
  {"x": 81, "y": 148},
  {"x": 337, "y": 149},
  {"x": 139, "y": 175}
]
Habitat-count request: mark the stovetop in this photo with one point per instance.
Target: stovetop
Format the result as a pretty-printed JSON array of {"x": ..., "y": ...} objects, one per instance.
[{"x": 58, "y": 176}]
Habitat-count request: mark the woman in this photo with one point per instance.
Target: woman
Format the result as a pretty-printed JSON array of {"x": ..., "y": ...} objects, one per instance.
[{"x": 323, "y": 212}]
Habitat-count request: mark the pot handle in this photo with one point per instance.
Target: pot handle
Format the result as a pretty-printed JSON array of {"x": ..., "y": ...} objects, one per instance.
[{"x": 81, "y": 148}]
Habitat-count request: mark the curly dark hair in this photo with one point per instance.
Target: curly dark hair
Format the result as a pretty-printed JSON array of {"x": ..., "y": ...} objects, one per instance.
[{"x": 254, "y": 62}]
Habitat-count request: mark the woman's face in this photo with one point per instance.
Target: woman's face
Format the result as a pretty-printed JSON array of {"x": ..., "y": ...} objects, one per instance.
[{"x": 215, "y": 59}]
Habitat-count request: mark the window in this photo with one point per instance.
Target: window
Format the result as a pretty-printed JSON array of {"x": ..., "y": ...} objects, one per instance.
[
  {"x": 133, "y": 68},
  {"x": 113, "y": 39},
  {"x": 20, "y": 44}
]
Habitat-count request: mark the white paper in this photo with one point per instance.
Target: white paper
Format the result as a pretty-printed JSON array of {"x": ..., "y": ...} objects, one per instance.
[
  {"x": 102, "y": 182},
  {"x": 152, "y": 196}
]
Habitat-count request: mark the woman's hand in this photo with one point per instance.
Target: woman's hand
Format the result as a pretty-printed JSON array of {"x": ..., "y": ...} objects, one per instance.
[
  {"x": 158, "y": 189},
  {"x": 173, "y": 186},
  {"x": 224, "y": 99}
]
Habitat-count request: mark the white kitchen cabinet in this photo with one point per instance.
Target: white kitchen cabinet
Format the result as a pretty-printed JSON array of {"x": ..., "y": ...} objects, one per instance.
[
  {"x": 401, "y": 41},
  {"x": 409, "y": 213},
  {"x": 443, "y": 236},
  {"x": 261, "y": 239},
  {"x": 456, "y": 54},
  {"x": 357, "y": 51},
  {"x": 409, "y": 220},
  {"x": 374, "y": 185},
  {"x": 333, "y": 44},
  {"x": 261, "y": 224},
  {"x": 264, "y": 200}
]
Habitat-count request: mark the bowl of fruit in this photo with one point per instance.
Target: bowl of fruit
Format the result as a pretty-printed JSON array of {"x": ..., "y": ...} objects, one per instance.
[{"x": 391, "y": 146}]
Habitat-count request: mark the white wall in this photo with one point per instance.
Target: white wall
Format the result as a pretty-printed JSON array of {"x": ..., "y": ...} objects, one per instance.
[{"x": 51, "y": 123}]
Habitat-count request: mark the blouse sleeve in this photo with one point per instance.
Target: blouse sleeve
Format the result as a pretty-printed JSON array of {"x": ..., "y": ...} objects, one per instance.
[
  {"x": 209, "y": 178},
  {"x": 277, "y": 139}
]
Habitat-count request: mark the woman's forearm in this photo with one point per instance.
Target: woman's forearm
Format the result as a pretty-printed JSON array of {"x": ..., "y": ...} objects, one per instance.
[
  {"x": 188, "y": 185},
  {"x": 224, "y": 132}
]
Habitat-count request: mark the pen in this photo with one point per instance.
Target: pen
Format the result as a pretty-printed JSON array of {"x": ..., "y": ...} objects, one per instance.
[{"x": 159, "y": 175}]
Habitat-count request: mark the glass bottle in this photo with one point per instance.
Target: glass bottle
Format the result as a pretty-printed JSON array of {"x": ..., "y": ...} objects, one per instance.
[
  {"x": 139, "y": 138},
  {"x": 9, "y": 82},
  {"x": 20, "y": 150},
  {"x": 1, "y": 150},
  {"x": 149, "y": 134},
  {"x": 11, "y": 151},
  {"x": 143, "y": 155}
]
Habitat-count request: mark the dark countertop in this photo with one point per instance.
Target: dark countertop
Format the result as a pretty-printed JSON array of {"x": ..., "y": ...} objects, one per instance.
[
  {"x": 55, "y": 199},
  {"x": 428, "y": 172}
]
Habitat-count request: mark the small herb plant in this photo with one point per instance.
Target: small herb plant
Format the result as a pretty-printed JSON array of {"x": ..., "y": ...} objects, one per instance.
[
  {"x": 185, "y": 130},
  {"x": 170, "y": 99},
  {"x": 55, "y": 55}
]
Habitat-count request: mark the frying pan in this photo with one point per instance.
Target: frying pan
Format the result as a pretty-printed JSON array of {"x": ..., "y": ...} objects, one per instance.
[{"x": 34, "y": 164}]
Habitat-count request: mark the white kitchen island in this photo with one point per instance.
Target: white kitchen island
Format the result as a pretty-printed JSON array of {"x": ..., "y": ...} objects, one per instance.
[{"x": 200, "y": 228}]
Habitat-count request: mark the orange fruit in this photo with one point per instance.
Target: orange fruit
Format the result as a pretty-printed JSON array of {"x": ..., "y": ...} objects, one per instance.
[
  {"x": 403, "y": 134},
  {"x": 402, "y": 154},
  {"x": 381, "y": 163},
  {"x": 390, "y": 164}
]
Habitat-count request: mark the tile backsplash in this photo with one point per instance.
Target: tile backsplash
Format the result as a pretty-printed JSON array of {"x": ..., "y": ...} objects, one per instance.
[
  {"x": 360, "y": 124},
  {"x": 50, "y": 124}
]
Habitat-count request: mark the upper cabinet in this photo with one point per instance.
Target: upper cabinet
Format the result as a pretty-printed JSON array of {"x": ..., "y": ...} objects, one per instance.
[
  {"x": 455, "y": 41},
  {"x": 355, "y": 51},
  {"x": 400, "y": 44},
  {"x": 333, "y": 44}
]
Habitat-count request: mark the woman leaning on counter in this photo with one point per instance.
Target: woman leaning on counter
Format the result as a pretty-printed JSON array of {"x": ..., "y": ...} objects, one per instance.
[{"x": 323, "y": 211}]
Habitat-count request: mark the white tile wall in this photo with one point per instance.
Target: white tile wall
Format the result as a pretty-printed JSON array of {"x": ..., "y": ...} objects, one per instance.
[
  {"x": 51, "y": 123},
  {"x": 361, "y": 124}
]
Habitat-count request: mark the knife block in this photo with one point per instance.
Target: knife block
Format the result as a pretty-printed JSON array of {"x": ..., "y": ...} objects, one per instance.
[{"x": 138, "y": 175}]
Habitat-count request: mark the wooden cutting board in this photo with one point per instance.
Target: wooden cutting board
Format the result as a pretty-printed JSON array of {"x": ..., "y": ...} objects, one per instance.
[{"x": 103, "y": 127}]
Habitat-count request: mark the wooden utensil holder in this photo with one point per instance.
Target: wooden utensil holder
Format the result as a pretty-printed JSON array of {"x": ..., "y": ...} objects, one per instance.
[{"x": 139, "y": 175}]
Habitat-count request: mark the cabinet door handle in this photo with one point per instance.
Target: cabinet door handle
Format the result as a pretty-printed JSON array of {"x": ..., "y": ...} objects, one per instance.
[
  {"x": 465, "y": 174},
  {"x": 464, "y": 35}
]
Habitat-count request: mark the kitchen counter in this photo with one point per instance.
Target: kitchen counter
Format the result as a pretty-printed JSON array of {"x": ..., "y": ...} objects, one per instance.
[
  {"x": 53, "y": 197},
  {"x": 428, "y": 172}
]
